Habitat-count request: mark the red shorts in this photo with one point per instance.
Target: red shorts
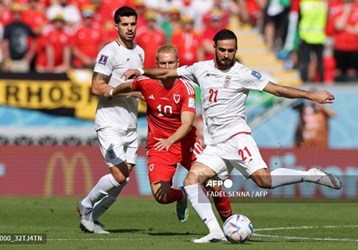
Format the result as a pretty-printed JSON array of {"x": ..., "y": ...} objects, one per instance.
[{"x": 162, "y": 164}]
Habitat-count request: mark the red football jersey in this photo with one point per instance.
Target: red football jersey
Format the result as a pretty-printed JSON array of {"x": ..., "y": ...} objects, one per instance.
[{"x": 164, "y": 108}]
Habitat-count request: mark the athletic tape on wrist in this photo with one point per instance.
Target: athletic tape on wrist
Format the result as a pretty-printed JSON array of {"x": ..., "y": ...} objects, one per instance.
[
  {"x": 111, "y": 92},
  {"x": 141, "y": 71}
]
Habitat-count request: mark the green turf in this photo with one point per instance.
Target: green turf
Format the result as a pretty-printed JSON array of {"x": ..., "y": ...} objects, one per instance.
[{"x": 144, "y": 224}]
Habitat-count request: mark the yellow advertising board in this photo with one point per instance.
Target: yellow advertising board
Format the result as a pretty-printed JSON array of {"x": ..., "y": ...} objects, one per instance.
[{"x": 74, "y": 93}]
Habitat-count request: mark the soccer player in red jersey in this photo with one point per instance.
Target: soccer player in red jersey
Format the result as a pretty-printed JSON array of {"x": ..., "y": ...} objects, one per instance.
[{"x": 171, "y": 134}]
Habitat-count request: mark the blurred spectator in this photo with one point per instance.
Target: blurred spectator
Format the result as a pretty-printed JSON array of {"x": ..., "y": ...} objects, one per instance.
[
  {"x": 19, "y": 43},
  {"x": 104, "y": 16},
  {"x": 215, "y": 24},
  {"x": 291, "y": 40},
  {"x": 5, "y": 18},
  {"x": 87, "y": 40},
  {"x": 188, "y": 42},
  {"x": 34, "y": 16},
  {"x": 162, "y": 5},
  {"x": 54, "y": 52},
  {"x": 196, "y": 9},
  {"x": 171, "y": 23},
  {"x": 70, "y": 12},
  {"x": 225, "y": 13},
  {"x": 313, "y": 125},
  {"x": 255, "y": 11},
  {"x": 328, "y": 57},
  {"x": 275, "y": 23},
  {"x": 346, "y": 41},
  {"x": 239, "y": 9},
  {"x": 141, "y": 9},
  {"x": 312, "y": 35},
  {"x": 150, "y": 37},
  {"x": 82, "y": 3},
  {"x": 5, "y": 14}
]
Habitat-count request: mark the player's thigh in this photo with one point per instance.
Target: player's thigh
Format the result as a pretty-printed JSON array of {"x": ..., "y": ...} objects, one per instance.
[
  {"x": 112, "y": 146},
  {"x": 160, "y": 170},
  {"x": 188, "y": 157},
  {"x": 244, "y": 155},
  {"x": 210, "y": 158},
  {"x": 131, "y": 147}
]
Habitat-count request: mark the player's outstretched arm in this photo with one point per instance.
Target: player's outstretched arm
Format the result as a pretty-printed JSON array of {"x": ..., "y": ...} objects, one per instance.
[
  {"x": 100, "y": 85},
  {"x": 187, "y": 120},
  {"x": 319, "y": 96},
  {"x": 124, "y": 87},
  {"x": 157, "y": 73}
]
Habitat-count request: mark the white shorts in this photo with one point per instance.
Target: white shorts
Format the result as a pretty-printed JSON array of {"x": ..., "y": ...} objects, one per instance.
[
  {"x": 240, "y": 152},
  {"x": 118, "y": 146}
]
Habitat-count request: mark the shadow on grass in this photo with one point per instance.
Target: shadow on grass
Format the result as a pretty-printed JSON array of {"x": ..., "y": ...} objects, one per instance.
[
  {"x": 125, "y": 230},
  {"x": 171, "y": 233}
]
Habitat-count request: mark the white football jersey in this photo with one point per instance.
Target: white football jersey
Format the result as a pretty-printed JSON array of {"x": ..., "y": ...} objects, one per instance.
[
  {"x": 223, "y": 97},
  {"x": 117, "y": 112}
]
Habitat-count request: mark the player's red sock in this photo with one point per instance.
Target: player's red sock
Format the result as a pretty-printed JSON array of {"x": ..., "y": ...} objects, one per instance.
[
  {"x": 175, "y": 195},
  {"x": 223, "y": 206}
]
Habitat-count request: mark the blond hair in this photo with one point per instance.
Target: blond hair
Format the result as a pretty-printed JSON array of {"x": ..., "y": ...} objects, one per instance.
[{"x": 170, "y": 49}]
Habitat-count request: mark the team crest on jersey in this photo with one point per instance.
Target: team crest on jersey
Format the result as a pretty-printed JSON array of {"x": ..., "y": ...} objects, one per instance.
[
  {"x": 176, "y": 98},
  {"x": 151, "y": 167},
  {"x": 256, "y": 74},
  {"x": 227, "y": 82},
  {"x": 103, "y": 60}
]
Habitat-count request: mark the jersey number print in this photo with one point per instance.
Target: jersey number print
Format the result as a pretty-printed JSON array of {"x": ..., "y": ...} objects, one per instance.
[
  {"x": 213, "y": 95},
  {"x": 167, "y": 110},
  {"x": 244, "y": 153}
]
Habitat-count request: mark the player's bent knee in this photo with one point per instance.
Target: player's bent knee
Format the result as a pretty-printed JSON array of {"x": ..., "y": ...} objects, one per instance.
[
  {"x": 263, "y": 182},
  {"x": 192, "y": 178},
  {"x": 120, "y": 173},
  {"x": 262, "y": 178},
  {"x": 161, "y": 191}
]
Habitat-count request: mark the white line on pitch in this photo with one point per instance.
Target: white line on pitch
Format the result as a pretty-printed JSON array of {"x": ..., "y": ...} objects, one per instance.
[{"x": 303, "y": 238}]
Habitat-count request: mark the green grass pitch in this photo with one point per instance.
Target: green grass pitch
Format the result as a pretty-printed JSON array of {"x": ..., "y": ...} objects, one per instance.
[{"x": 141, "y": 223}]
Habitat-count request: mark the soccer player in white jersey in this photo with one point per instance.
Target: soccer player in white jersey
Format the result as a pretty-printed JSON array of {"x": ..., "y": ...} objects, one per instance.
[
  {"x": 224, "y": 85},
  {"x": 116, "y": 119}
]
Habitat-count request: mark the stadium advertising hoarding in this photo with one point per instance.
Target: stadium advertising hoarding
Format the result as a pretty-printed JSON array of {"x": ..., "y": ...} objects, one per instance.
[
  {"x": 69, "y": 91},
  {"x": 72, "y": 171},
  {"x": 50, "y": 94}
]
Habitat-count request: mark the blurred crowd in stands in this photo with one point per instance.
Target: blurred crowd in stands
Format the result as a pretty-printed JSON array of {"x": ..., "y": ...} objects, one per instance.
[{"x": 317, "y": 37}]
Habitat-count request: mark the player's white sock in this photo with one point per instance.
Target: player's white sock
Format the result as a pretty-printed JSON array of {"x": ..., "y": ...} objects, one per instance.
[
  {"x": 286, "y": 176},
  {"x": 202, "y": 206},
  {"x": 100, "y": 190},
  {"x": 101, "y": 206}
]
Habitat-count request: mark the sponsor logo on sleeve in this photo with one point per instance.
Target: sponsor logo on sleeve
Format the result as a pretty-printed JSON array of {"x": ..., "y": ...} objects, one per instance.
[
  {"x": 103, "y": 60},
  {"x": 256, "y": 74},
  {"x": 191, "y": 102}
]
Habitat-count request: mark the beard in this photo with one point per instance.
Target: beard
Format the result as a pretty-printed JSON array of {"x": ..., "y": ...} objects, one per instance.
[{"x": 224, "y": 64}]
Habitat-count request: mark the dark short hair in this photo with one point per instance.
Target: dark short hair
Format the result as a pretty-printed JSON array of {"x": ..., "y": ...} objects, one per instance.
[
  {"x": 124, "y": 11},
  {"x": 224, "y": 34}
]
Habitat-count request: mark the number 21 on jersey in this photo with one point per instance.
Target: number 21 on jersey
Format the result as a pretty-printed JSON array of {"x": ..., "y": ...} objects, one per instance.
[{"x": 213, "y": 95}]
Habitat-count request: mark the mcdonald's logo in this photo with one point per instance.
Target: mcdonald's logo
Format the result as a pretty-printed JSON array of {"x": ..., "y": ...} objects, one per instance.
[{"x": 68, "y": 166}]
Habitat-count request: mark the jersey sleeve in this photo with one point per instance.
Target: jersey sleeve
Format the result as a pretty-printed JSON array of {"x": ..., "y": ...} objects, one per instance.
[
  {"x": 188, "y": 91},
  {"x": 138, "y": 83},
  {"x": 104, "y": 62},
  {"x": 187, "y": 72},
  {"x": 252, "y": 79}
]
